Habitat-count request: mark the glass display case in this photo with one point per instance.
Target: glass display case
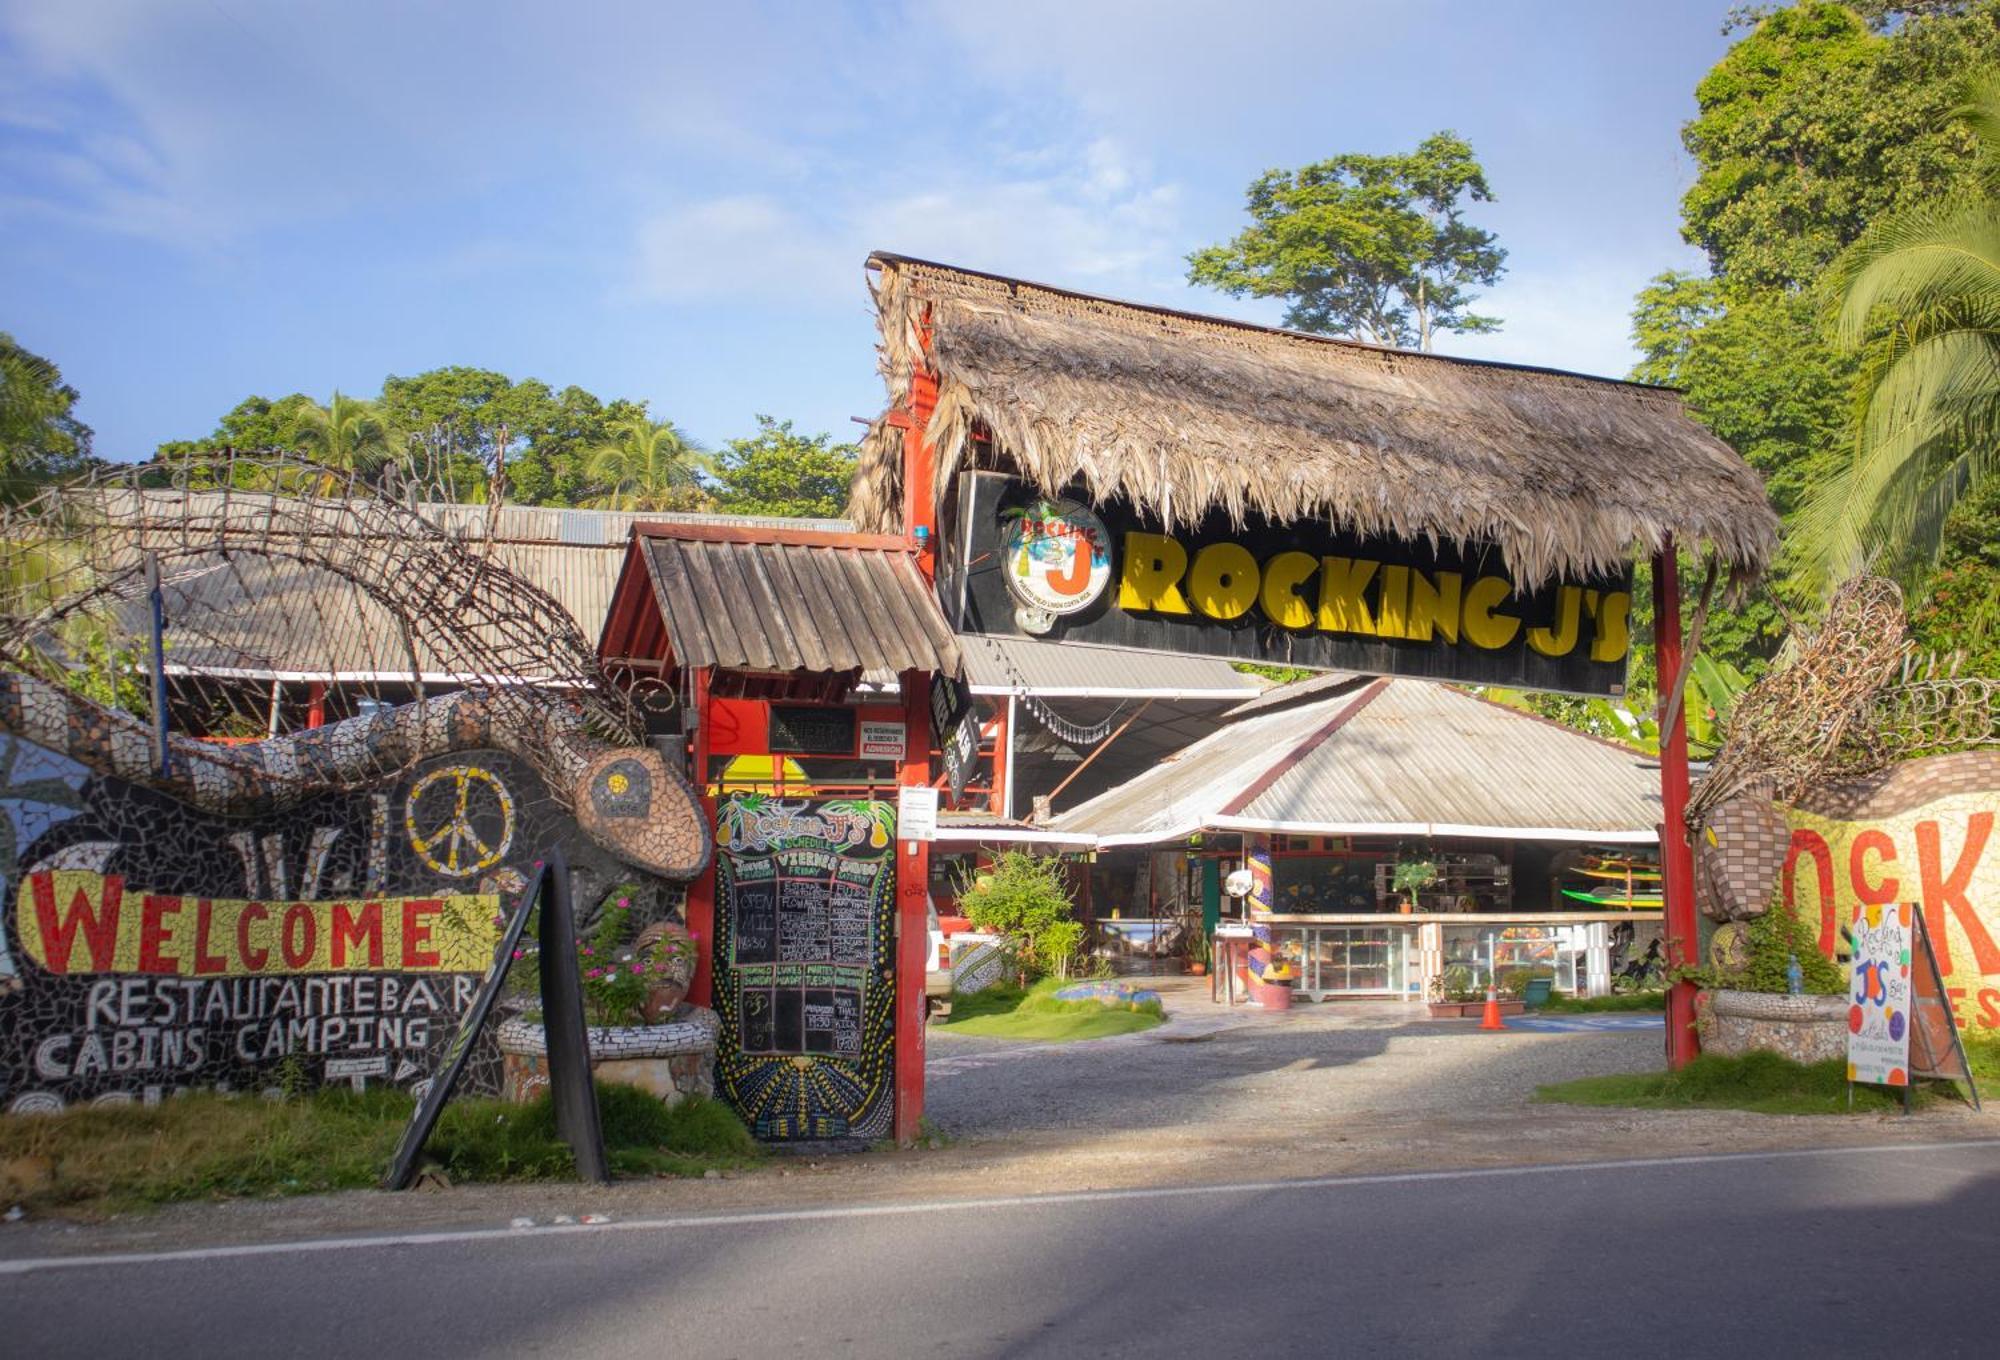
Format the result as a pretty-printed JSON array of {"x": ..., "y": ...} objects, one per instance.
[
  {"x": 1351, "y": 960},
  {"x": 1496, "y": 950}
]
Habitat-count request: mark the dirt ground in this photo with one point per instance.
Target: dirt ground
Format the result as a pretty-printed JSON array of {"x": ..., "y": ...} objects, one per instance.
[{"x": 1211, "y": 1096}]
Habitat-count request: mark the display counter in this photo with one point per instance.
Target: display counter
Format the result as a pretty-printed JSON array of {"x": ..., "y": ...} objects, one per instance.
[{"x": 1383, "y": 955}]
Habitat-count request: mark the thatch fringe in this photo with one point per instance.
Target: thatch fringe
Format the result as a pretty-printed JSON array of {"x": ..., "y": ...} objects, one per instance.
[{"x": 1184, "y": 415}]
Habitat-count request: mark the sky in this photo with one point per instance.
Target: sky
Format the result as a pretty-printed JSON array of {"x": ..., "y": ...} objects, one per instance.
[{"x": 205, "y": 199}]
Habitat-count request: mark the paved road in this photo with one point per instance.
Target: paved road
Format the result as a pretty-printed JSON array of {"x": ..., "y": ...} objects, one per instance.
[{"x": 1846, "y": 1252}]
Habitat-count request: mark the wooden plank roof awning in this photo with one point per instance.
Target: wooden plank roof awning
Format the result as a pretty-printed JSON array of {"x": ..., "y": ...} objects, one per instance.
[
  {"x": 772, "y": 601},
  {"x": 1182, "y": 415}
]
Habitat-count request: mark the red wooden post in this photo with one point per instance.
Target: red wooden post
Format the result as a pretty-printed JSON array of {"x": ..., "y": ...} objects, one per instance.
[
  {"x": 316, "y": 704},
  {"x": 1003, "y": 736},
  {"x": 701, "y": 892},
  {"x": 1676, "y": 855},
  {"x": 913, "y": 873}
]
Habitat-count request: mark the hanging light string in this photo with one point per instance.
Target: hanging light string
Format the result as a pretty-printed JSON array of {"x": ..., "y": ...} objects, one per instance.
[{"x": 1057, "y": 726}]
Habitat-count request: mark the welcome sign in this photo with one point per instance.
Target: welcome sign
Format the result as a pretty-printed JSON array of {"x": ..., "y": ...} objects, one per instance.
[{"x": 1299, "y": 594}]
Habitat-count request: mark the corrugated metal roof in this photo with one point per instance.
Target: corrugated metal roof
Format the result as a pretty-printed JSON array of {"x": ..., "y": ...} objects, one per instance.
[
  {"x": 1404, "y": 757},
  {"x": 997, "y": 665},
  {"x": 273, "y": 618},
  {"x": 746, "y": 604}
]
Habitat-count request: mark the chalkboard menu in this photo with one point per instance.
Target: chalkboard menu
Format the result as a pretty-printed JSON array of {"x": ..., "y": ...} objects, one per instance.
[
  {"x": 812, "y": 731},
  {"x": 802, "y": 900}
]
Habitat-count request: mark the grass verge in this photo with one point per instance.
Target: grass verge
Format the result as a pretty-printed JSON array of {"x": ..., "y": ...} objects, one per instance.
[
  {"x": 1008, "y": 1012},
  {"x": 1763, "y": 1083},
  {"x": 1617, "y": 1001},
  {"x": 206, "y": 1146}
]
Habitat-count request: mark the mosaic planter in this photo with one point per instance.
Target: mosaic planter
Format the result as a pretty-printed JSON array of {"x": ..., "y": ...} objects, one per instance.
[
  {"x": 1806, "y": 1029},
  {"x": 673, "y": 1060}
]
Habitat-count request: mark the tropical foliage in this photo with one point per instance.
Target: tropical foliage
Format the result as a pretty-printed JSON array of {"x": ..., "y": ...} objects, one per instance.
[
  {"x": 1024, "y": 899},
  {"x": 1928, "y": 275}
]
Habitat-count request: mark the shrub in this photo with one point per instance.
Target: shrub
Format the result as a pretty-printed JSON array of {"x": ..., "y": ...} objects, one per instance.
[
  {"x": 1024, "y": 899},
  {"x": 1772, "y": 941}
]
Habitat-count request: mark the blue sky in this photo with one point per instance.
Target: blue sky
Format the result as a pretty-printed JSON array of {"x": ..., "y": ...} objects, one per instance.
[{"x": 201, "y": 199}]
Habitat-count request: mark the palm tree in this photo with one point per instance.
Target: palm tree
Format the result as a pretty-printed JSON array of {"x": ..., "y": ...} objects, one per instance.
[
  {"x": 648, "y": 465},
  {"x": 347, "y": 433},
  {"x": 1928, "y": 425}
]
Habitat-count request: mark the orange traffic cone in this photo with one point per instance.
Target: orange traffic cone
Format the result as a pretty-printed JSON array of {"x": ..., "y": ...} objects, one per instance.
[{"x": 1491, "y": 1020}]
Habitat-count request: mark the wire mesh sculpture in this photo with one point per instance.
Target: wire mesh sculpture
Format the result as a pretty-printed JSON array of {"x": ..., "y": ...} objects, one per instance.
[
  {"x": 276, "y": 570},
  {"x": 1854, "y": 699}
]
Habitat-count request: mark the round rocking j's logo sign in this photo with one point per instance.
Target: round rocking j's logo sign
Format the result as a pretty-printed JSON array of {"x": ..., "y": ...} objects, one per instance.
[{"x": 1057, "y": 560}]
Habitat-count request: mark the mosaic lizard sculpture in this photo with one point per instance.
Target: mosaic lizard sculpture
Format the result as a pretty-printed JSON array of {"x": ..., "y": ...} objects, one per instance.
[
  {"x": 257, "y": 557},
  {"x": 626, "y": 798}
]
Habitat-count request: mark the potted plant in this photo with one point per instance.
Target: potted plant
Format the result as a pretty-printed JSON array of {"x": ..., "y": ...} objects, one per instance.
[
  {"x": 1412, "y": 876},
  {"x": 1452, "y": 990},
  {"x": 641, "y": 1030},
  {"x": 1197, "y": 948}
]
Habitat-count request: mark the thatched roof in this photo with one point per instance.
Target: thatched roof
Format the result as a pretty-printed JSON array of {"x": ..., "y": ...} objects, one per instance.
[{"x": 1184, "y": 414}]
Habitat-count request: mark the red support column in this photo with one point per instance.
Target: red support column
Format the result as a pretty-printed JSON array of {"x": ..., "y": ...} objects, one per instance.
[
  {"x": 1676, "y": 855},
  {"x": 1003, "y": 771},
  {"x": 701, "y": 892},
  {"x": 913, "y": 873},
  {"x": 316, "y": 704}
]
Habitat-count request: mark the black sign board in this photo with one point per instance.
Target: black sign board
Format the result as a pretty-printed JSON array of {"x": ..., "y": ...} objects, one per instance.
[
  {"x": 562, "y": 1010},
  {"x": 805, "y": 897},
  {"x": 1289, "y": 594},
  {"x": 955, "y": 724},
  {"x": 812, "y": 731}
]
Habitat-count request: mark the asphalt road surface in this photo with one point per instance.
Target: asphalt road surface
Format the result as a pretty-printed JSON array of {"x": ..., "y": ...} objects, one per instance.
[{"x": 1848, "y": 1252}]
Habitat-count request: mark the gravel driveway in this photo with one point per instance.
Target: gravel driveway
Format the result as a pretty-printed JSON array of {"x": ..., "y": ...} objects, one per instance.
[{"x": 1216, "y": 1069}]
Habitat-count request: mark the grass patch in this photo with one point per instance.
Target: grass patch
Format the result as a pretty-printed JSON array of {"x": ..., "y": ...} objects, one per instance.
[
  {"x": 1007, "y": 1012},
  {"x": 1617, "y": 1001},
  {"x": 1763, "y": 1083},
  {"x": 207, "y": 1146}
]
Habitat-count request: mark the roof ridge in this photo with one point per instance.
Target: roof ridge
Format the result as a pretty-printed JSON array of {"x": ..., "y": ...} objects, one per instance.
[{"x": 1299, "y": 749}]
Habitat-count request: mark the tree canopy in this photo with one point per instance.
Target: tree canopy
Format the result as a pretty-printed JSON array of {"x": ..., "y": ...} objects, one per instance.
[
  {"x": 1373, "y": 247},
  {"x": 40, "y": 436},
  {"x": 780, "y": 472}
]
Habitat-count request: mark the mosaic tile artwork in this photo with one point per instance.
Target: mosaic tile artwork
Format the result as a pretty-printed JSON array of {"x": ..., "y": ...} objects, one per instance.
[
  {"x": 803, "y": 960},
  {"x": 148, "y": 947}
]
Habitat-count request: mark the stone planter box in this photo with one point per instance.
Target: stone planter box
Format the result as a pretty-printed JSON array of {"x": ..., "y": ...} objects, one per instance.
[
  {"x": 1471, "y": 1010},
  {"x": 1806, "y": 1029},
  {"x": 673, "y": 1061}
]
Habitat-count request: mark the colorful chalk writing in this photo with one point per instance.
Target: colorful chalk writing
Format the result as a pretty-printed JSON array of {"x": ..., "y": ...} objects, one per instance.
[{"x": 1879, "y": 997}]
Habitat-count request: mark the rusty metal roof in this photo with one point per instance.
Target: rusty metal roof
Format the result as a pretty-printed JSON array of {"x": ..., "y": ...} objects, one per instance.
[
  {"x": 1399, "y": 758},
  {"x": 794, "y": 600}
]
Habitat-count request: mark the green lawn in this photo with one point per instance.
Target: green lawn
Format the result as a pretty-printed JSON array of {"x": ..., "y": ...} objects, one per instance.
[
  {"x": 1005, "y": 1012},
  {"x": 1617, "y": 1001},
  {"x": 1763, "y": 1083},
  {"x": 206, "y": 1146}
]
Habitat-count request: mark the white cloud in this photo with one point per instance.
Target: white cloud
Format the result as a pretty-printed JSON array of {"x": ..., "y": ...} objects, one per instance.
[
  {"x": 1093, "y": 218},
  {"x": 1577, "y": 317}
]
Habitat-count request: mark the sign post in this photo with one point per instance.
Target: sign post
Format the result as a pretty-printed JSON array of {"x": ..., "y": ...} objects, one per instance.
[{"x": 1900, "y": 1024}]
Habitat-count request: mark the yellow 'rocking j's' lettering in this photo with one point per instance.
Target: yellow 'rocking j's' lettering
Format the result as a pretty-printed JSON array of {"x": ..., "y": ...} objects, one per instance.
[
  {"x": 1283, "y": 575},
  {"x": 1223, "y": 581},
  {"x": 1484, "y": 626},
  {"x": 1614, "y": 627},
  {"x": 1341, "y": 608},
  {"x": 1561, "y": 639},
  {"x": 1150, "y": 579}
]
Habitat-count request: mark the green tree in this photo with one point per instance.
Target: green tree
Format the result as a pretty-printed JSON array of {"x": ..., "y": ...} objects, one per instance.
[
  {"x": 1958, "y": 612},
  {"x": 40, "y": 436},
  {"x": 1375, "y": 247},
  {"x": 779, "y": 472},
  {"x": 554, "y": 468},
  {"x": 648, "y": 465},
  {"x": 1928, "y": 274},
  {"x": 346, "y": 433}
]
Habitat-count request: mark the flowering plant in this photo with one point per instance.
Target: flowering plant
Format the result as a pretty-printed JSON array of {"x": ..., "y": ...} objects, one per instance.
[{"x": 616, "y": 974}]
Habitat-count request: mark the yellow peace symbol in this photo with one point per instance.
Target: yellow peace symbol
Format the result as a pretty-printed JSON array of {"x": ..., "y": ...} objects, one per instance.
[{"x": 453, "y": 847}]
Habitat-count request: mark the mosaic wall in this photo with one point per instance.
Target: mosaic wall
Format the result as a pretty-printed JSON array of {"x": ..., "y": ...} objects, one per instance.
[
  {"x": 1921, "y": 831},
  {"x": 805, "y": 896},
  {"x": 148, "y": 948}
]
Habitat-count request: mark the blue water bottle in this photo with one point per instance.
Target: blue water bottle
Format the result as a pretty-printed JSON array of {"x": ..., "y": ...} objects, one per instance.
[{"x": 1795, "y": 976}]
